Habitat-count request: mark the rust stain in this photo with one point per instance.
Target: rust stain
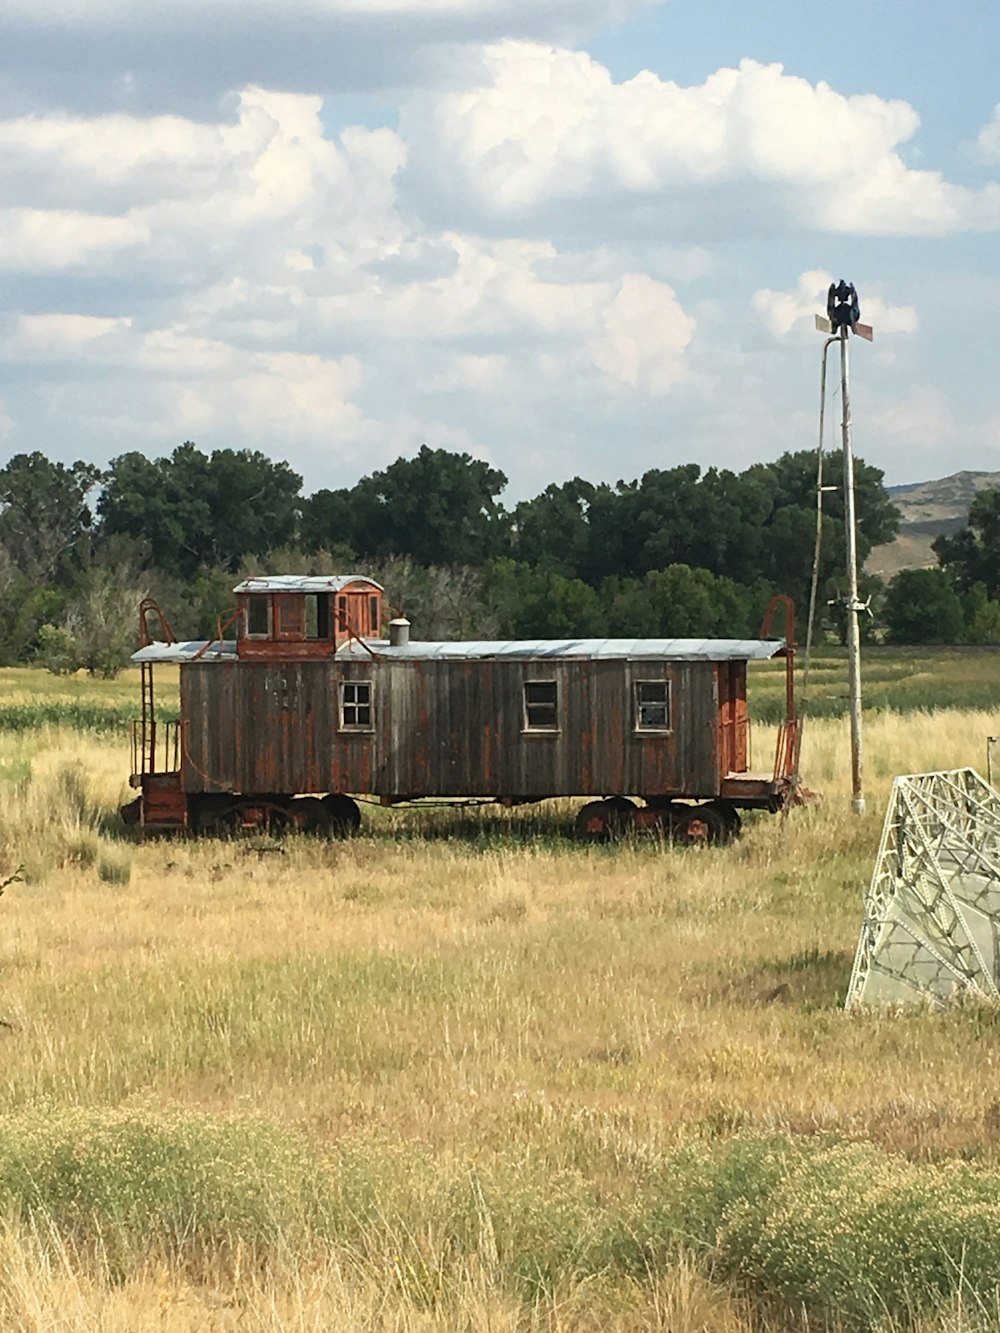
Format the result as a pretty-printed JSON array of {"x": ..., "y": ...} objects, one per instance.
[{"x": 268, "y": 722}]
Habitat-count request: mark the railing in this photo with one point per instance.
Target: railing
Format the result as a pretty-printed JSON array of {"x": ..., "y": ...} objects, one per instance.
[
  {"x": 786, "y": 751},
  {"x": 153, "y": 742}
]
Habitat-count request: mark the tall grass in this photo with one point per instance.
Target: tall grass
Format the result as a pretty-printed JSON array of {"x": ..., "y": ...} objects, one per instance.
[
  {"x": 58, "y": 810},
  {"x": 463, "y": 1072},
  {"x": 855, "y": 1238},
  {"x": 74, "y": 714},
  {"x": 895, "y": 680},
  {"x": 31, "y": 699}
]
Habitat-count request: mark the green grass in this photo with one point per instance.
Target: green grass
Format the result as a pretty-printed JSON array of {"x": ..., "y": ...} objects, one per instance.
[
  {"x": 31, "y": 699},
  {"x": 839, "y": 1229},
  {"x": 902, "y": 680},
  {"x": 116, "y": 1178}
]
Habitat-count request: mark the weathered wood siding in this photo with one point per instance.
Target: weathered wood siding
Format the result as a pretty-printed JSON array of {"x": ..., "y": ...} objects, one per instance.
[{"x": 447, "y": 728}]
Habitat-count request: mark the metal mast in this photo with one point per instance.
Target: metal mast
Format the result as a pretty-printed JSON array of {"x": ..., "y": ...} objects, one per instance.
[{"x": 843, "y": 318}]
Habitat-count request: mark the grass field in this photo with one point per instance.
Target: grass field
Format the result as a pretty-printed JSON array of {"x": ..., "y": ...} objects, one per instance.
[
  {"x": 894, "y": 679},
  {"x": 463, "y": 1073}
]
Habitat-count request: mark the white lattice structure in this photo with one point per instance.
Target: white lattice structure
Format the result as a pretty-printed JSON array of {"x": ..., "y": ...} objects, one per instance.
[{"x": 932, "y": 915}]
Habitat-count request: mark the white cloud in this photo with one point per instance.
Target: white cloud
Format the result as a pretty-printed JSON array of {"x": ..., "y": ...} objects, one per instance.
[
  {"x": 476, "y": 373},
  {"x": 259, "y": 279},
  {"x": 548, "y": 127},
  {"x": 61, "y": 335},
  {"x": 244, "y": 194},
  {"x": 923, "y": 419},
  {"x": 783, "y": 313},
  {"x": 42, "y": 157},
  {"x": 264, "y": 400},
  {"x": 291, "y": 244},
  {"x": 644, "y": 335},
  {"x": 184, "y": 56},
  {"x": 33, "y": 239}
]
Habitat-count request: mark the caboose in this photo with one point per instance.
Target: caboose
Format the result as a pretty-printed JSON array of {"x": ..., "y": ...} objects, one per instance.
[{"x": 308, "y": 706}]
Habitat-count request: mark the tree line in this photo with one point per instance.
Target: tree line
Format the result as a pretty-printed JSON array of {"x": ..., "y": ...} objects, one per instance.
[{"x": 679, "y": 551}]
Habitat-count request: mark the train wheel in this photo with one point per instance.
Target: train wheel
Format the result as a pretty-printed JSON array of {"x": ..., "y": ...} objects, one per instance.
[
  {"x": 623, "y": 813},
  {"x": 310, "y": 815},
  {"x": 278, "y": 821},
  {"x": 700, "y": 825},
  {"x": 260, "y": 814},
  {"x": 343, "y": 814},
  {"x": 131, "y": 813},
  {"x": 265, "y": 815},
  {"x": 731, "y": 815},
  {"x": 595, "y": 822},
  {"x": 215, "y": 816}
]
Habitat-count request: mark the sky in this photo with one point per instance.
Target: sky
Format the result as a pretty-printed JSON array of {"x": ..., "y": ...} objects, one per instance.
[{"x": 569, "y": 237}]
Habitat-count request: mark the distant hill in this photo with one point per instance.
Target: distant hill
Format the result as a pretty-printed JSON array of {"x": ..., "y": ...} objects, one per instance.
[{"x": 927, "y": 509}]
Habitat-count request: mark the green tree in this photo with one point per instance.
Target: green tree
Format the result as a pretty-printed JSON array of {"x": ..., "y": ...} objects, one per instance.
[
  {"x": 199, "y": 510},
  {"x": 44, "y": 512},
  {"x": 554, "y": 527},
  {"x": 327, "y": 521},
  {"x": 439, "y": 508},
  {"x": 676, "y": 602},
  {"x": 441, "y": 601},
  {"x": 682, "y": 516},
  {"x": 57, "y": 650},
  {"x": 101, "y": 617},
  {"x": 754, "y": 526},
  {"x": 972, "y": 554},
  {"x": 540, "y": 603},
  {"x": 793, "y": 476},
  {"x": 790, "y": 530},
  {"x": 25, "y": 611},
  {"x": 923, "y": 606},
  {"x": 982, "y": 615}
]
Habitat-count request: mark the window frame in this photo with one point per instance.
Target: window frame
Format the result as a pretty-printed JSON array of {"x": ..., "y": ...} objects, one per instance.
[
  {"x": 530, "y": 728},
  {"x": 638, "y": 703},
  {"x": 288, "y": 617},
  {"x": 318, "y": 602},
  {"x": 344, "y": 686},
  {"x": 254, "y": 599}
]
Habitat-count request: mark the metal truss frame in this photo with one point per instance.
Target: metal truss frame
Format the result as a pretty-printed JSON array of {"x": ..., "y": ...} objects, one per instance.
[{"x": 936, "y": 876}]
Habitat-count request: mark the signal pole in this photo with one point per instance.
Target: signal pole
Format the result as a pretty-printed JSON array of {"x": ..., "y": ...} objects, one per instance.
[{"x": 843, "y": 318}]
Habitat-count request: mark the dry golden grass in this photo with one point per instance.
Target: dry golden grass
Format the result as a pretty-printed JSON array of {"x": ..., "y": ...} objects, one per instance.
[
  {"x": 44, "y": 1287},
  {"x": 479, "y": 989}
]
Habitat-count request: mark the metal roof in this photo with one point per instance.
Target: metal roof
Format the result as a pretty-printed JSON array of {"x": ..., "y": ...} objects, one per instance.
[
  {"x": 684, "y": 650},
  {"x": 304, "y": 583},
  {"x": 214, "y": 651},
  {"x": 526, "y": 650}
]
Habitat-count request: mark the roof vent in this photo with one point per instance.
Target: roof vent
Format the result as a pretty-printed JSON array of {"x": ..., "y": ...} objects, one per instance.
[{"x": 399, "y": 632}]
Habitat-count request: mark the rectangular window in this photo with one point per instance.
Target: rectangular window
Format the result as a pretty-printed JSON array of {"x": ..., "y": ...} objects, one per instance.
[
  {"x": 356, "y": 705},
  {"x": 652, "y": 705},
  {"x": 342, "y": 612},
  {"x": 541, "y": 705},
  {"x": 291, "y": 616},
  {"x": 259, "y": 617},
  {"x": 373, "y": 617},
  {"x": 317, "y": 615}
]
